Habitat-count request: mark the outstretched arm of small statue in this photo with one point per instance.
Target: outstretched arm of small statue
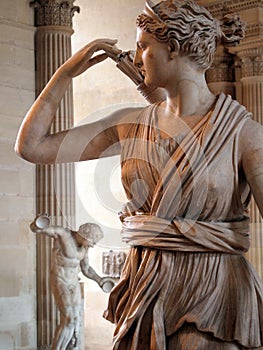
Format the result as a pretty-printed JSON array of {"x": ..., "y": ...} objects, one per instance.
[
  {"x": 54, "y": 231},
  {"x": 50, "y": 231},
  {"x": 105, "y": 283},
  {"x": 88, "y": 271}
]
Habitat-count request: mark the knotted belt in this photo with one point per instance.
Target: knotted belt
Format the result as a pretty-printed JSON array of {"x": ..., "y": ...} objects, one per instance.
[{"x": 186, "y": 235}]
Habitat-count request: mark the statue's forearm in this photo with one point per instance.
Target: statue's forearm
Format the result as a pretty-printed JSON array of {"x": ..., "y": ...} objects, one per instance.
[{"x": 90, "y": 273}]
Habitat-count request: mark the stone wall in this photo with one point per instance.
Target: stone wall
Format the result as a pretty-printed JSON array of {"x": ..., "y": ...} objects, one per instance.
[
  {"x": 104, "y": 85},
  {"x": 17, "y": 244}
]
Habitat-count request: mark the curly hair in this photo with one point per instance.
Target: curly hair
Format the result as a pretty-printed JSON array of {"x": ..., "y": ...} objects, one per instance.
[{"x": 193, "y": 27}]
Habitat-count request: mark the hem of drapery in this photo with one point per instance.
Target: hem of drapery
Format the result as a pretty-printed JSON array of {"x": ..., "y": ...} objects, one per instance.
[
  {"x": 216, "y": 335},
  {"x": 210, "y": 331},
  {"x": 124, "y": 286}
]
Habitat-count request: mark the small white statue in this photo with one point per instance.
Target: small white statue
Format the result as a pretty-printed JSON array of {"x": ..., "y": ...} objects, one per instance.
[{"x": 70, "y": 251}]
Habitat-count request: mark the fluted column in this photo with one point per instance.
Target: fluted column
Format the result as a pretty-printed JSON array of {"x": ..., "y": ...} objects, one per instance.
[
  {"x": 249, "y": 66},
  {"x": 252, "y": 98},
  {"x": 55, "y": 183},
  {"x": 220, "y": 76}
]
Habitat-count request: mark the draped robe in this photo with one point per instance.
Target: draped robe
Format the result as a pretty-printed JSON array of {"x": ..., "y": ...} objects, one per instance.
[{"x": 188, "y": 235}]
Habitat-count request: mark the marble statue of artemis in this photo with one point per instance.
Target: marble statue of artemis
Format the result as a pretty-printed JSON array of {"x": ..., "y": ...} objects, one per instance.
[{"x": 190, "y": 161}]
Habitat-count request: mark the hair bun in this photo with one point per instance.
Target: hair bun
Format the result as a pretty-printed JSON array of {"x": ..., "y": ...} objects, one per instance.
[{"x": 232, "y": 29}]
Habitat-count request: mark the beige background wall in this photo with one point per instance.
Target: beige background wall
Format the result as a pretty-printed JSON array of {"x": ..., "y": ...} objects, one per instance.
[
  {"x": 17, "y": 245},
  {"x": 104, "y": 85}
]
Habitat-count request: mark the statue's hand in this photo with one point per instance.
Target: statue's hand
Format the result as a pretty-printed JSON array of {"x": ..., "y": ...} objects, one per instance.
[
  {"x": 87, "y": 56},
  {"x": 125, "y": 64},
  {"x": 114, "y": 52},
  {"x": 106, "y": 284}
]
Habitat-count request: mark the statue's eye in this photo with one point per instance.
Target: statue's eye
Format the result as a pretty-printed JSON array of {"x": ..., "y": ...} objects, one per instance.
[{"x": 141, "y": 46}]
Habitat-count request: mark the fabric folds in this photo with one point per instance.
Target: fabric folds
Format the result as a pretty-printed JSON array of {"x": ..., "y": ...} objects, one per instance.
[
  {"x": 186, "y": 235},
  {"x": 185, "y": 264}
]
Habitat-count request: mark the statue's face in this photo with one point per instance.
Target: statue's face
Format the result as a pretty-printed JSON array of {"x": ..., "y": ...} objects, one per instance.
[{"x": 153, "y": 58}]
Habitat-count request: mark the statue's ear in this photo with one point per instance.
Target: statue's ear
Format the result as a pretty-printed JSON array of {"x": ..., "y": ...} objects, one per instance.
[{"x": 174, "y": 48}]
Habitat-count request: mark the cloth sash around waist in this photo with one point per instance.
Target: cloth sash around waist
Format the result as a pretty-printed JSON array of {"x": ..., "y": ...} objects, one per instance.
[{"x": 186, "y": 235}]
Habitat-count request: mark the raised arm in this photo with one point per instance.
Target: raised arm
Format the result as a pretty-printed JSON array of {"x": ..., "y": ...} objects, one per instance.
[
  {"x": 34, "y": 141},
  {"x": 54, "y": 231},
  {"x": 63, "y": 238},
  {"x": 251, "y": 143}
]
